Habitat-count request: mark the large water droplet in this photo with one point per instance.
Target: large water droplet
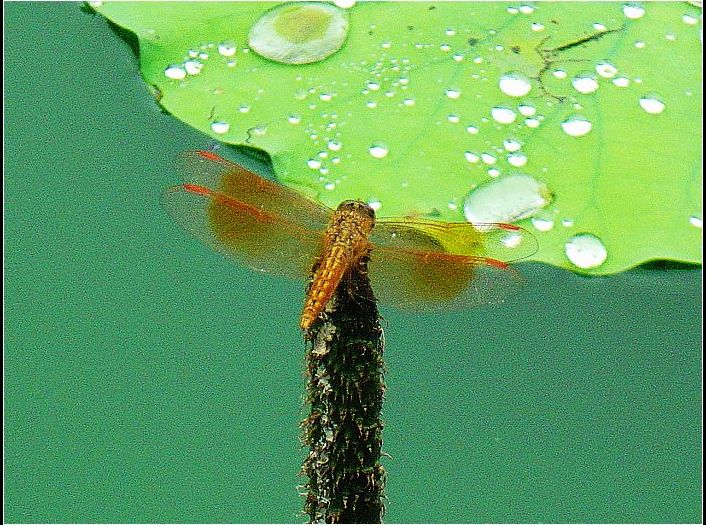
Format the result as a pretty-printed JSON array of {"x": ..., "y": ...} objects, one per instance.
[
  {"x": 586, "y": 251},
  {"x": 652, "y": 104},
  {"x": 503, "y": 115},
  {"x": 689, "y": 19},
  {"x": 506, "y": 199},
  {"x": 314, "y": 164},
  {"x": 378, "y": 150},
  {"x": 576, "y": 126},
  {"x": 695, "y": 221},
  {"x": 175, "y": 72},
  {"x": 299, "y": 33},
  {"x": 515, "y": 84}
]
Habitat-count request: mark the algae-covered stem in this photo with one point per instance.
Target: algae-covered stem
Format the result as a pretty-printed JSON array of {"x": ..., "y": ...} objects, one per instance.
[{"x": 345, "y": 387}]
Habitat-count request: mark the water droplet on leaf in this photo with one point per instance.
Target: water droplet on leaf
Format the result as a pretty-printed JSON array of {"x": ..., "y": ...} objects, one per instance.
[
  {"x": 506, "y": 199},
  {"x": 586, "y": 251}
]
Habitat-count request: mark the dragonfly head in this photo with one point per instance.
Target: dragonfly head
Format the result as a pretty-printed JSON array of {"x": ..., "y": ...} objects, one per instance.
[{"x": 357, "y": 207}]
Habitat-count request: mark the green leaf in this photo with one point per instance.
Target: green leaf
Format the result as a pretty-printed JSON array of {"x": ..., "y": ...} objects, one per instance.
[{"x": 415, "y": 78}]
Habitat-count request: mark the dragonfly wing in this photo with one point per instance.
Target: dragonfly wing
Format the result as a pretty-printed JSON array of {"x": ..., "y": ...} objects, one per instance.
[
  {"x": 436, "y": 280},
  {"x": 259, "y": 239},
  {"x": 499, "y": 241},
  {"x": 207, "y": 169},
  {"x": 422, "y": 264}
]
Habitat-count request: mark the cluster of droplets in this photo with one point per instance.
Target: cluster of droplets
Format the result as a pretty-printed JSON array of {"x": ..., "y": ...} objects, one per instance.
[{"x": 196, "y": 58}]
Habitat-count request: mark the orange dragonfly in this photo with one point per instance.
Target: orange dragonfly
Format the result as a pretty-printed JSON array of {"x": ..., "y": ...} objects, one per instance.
[{"x": 413, "y": 262}]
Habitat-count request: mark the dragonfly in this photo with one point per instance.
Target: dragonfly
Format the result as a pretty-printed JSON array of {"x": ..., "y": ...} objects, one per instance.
[{"x": 413, "y": 262}]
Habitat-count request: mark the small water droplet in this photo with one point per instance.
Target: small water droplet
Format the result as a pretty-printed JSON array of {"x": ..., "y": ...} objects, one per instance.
[
  {"x": 621, "y": 81},
  {"x": 513, "y": 10},
  {"x": 386, "y": 45},
  {"x": 203, "y": 55},
  {"x": 689, "y": 19},
  {"x": 329, "y": 186},
  {"x": 506, "y": 199},
  {"x": 344, "y": 4},
  {"x": 560, "y": 74},
  {"x": 606, "y": 69},
  {"x": 503, "y": 115},
  {"x": 220, "y": 126},
  {"x": 375, "y": 204},
  {"x": 493, "y": 172},
  {"x": 449, "y": 32},
  {"x": 512, "y": 145},
  {"x": 586, "y": 251},
  {"x": 542, "y": 224},
  {"x": 567, "y": 223},
  {"x": 696, "y": 221},
  {"x": 454, "y": 118},
  {"x": 517, "y": 159},
  {"x": 585, "y": 83},
  {"x": 599, "y": 27},
  {"x": 193, "y": 67},
  {"x": 371, "y": 104},
  {"x": 473, "y": 130},
  {"x": 640, "y": 44},
  {"x": 526, "y": 9},
  {"x": 227, "y": 49},
  {"x": 373, "y": 86},
  {"x": 294, "y": 119},
  {"x": 334, "y": 145},
  {"x": 314, "y": 164},
  {"x": 244, "y": 108},
  {"x": 576, "y": 126},
  {"x": 515, "y": 84},
  {"x": 453, "y": 94},
  {"x": 652, "y": 104},
  {"x": 445, "y": 48},
  {"x": 536, "y": 26},
  {"x": 633, "y": 11},
  {"x": 488, "y": 158},
  {"x": 471, "y": 157},
  {"x": 326, "y": 97},
  {"x": 408, "y": 102},
  {"x": 511, "y": 240},
  {"x": 175, "y": 72},
  {"x": 532, "y": 122},
  {"x": 378, "y": 150},
  {"x": 526, "y": 110},
  {"x": 458, "y": 57}
]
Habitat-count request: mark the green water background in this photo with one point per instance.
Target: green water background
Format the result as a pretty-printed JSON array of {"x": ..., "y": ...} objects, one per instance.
[{"x": 149, "y": 379}]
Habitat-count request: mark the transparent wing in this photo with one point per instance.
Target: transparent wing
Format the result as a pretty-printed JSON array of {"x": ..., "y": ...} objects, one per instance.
[
  {"x": 422, "y": 264},
  {"x": 207, "y": 169},
  {"x": 252, "y": 220}
]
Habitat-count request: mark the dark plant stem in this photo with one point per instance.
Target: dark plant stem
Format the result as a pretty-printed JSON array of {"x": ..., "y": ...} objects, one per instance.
[{"x": 343, "y": 431}]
